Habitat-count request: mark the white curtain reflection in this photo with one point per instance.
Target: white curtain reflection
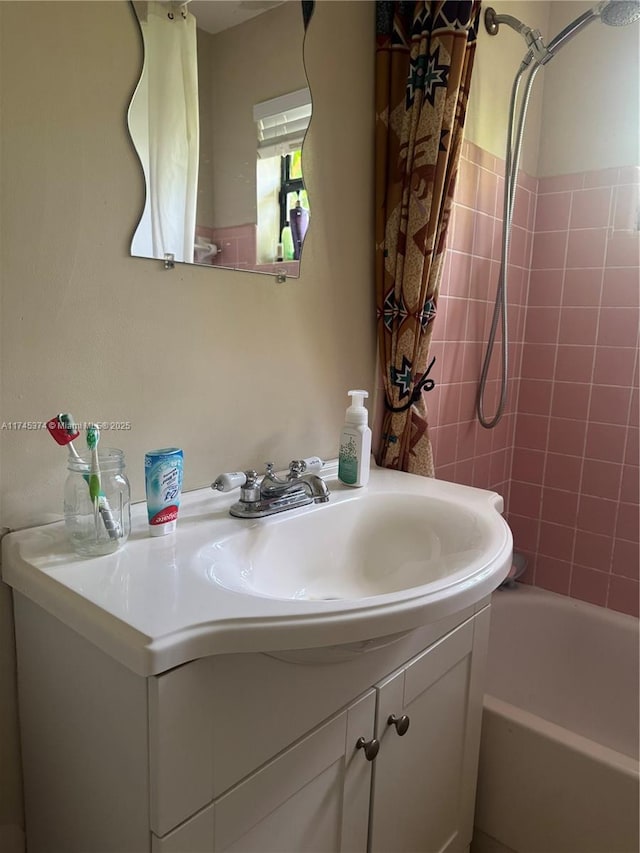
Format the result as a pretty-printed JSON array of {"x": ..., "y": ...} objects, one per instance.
[{"x": 163, "y": 120}]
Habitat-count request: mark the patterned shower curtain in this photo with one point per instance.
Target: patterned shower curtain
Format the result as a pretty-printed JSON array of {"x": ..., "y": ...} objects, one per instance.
[{"x": 424, "y": 58}]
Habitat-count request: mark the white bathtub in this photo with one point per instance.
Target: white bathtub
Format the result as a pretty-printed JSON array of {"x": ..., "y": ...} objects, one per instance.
[{"x": 559, "y": 754}]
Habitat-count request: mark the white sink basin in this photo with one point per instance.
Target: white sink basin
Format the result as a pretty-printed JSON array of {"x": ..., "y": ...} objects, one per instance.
[
  {"x": 355, "y": 549},
  {"x": 399, "y": 554}
]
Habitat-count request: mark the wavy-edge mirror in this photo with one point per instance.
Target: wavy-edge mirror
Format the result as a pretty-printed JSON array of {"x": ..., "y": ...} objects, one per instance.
[{"x": 218, "y": 119}]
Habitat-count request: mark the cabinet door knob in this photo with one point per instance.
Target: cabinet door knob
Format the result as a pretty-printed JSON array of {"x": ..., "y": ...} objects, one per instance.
[
  {"x": 370, "y": 747},
  {"x": 401, "y": 723}
]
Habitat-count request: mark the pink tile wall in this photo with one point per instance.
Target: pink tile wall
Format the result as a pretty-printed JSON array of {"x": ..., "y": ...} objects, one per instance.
[
  {"x": 238, "y": 249},
  {"x": 463, "y": 450},
  {"x": 574, "y": 482},
  {"x": 565, "y": 456},
  {"x": 237, "y": 245}
]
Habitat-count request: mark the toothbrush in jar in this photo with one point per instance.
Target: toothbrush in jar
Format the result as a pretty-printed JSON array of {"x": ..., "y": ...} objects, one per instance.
[
  {"x": 63, "y": 430},
  {"x": 93, "y": 437}
]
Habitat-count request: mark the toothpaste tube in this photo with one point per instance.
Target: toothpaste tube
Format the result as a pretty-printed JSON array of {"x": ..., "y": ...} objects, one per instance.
[{"x": 163, "y": 481}]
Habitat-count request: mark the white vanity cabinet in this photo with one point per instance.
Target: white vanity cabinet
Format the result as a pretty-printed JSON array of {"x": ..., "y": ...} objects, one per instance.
[
  {"x": 313, "y": 797},
  {"x": 425, "y": 777},
  {"x": 252, "y": 752}
]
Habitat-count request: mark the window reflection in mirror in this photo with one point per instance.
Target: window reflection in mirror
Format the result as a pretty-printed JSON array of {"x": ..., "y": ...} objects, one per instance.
[
  {"x": 283, "y": 205},
  {"x": 245, "y": 205}
]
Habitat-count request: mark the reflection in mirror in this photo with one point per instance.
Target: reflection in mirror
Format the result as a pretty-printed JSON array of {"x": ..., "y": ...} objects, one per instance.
[{"x": 218, "y": 119}]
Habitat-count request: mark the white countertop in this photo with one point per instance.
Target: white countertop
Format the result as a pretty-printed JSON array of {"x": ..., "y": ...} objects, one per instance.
[{"x": 153, "y": 605}]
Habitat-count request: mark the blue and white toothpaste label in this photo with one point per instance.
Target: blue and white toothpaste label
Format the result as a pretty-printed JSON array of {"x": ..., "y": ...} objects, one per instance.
[{"x": 163, "y": 479}]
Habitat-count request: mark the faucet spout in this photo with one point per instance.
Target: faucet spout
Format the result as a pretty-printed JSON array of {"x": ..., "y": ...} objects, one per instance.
[
  {"x": 273, "y": 494},
  {"x": 273, "y": 487},
  {"x": 318, "y": 489}
]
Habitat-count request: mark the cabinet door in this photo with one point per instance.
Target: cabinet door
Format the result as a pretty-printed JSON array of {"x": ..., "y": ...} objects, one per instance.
[
  {"x": 200, "y": 714},
  {"x": 424, "y": 780},
  {"x": 313, "y": 798}
]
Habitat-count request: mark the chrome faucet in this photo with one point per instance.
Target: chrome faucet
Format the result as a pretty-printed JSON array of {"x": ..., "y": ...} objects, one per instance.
[{"x": 271, "y": 494}]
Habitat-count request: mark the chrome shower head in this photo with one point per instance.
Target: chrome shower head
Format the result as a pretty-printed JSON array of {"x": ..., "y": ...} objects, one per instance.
[
  {"x": 619, "y": 13},
  {"x": 613, "y": 13}
]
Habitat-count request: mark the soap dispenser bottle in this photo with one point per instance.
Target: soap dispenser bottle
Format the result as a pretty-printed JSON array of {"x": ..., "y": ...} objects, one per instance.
[{"x": 355, "y": 443}]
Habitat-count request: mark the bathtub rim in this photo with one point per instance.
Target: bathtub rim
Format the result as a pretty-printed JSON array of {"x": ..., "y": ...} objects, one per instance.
[
  {"x": 625, "y": 764},
  {"x": 555, "y": 617},
  {"x": 558, "y": 599}
]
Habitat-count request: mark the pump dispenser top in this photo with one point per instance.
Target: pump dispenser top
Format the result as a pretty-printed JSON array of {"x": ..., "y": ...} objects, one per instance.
[
  {"x": 356, "y": 413},
  {"x": 355, "y": 442}
]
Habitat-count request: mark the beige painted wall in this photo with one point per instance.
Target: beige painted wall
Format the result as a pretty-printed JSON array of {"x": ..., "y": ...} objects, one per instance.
[
  {"x": 591, "y": 113},
  {"x": 497, "y": 60},
  {"x": 584, "y": 111},
  {"x": 238, "y": 68},
  {"x": 204, "y": 211},
  {"x": 231, "y": 366},
  {"x": 248, "y": 68}
]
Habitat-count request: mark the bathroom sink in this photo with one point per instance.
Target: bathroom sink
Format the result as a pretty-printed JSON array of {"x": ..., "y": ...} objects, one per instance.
[
  {"x": 379, "y": 544},
  {"x": 372, "y": 563}
]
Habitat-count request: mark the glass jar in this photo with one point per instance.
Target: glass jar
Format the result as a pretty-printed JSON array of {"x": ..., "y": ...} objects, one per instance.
[{"x": 102, "y": 526}]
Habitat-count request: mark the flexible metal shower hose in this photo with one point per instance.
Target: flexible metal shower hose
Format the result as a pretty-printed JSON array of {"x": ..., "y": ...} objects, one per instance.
[{"x": 512, "y": 163}]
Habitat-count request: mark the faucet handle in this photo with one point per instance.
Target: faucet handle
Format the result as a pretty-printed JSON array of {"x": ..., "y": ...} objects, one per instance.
[
  {"x": 250, "y": 491},
  {"x": 296, "y": 467},
  {"x": 310, "y": 465},
  {"x": 231, "y": 480}
]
